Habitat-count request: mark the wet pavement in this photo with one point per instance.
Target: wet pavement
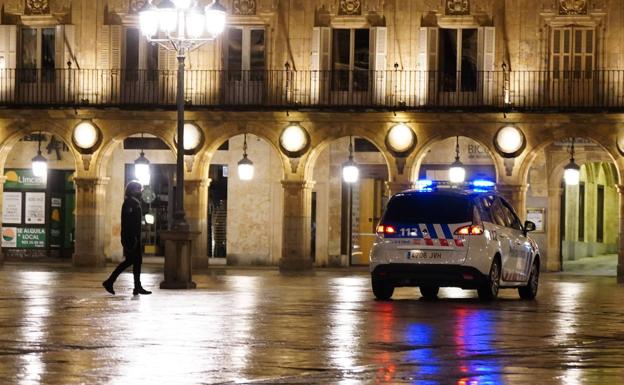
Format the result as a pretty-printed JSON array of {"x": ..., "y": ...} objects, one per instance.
[{"x": 58, "y": 326}]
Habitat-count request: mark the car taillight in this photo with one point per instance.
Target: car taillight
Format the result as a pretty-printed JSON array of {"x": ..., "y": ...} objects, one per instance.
[
  {"x": 469, "y": 230},
  {"x": 385, "y": 230}
]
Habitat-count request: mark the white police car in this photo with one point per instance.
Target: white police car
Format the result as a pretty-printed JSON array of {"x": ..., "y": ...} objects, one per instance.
[{"x": 445, "y": 237}]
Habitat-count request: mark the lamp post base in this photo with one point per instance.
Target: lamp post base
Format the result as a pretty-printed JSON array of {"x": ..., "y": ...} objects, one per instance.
[{"x": 178, "y": 259}]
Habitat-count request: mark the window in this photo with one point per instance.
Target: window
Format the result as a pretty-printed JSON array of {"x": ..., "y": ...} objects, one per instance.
[
  {"x": 428, "y": 208},
  {"x": 139, "y": 55},
  {"x": 572, "y": 53},
  {"x": 458, "y": 59},
  {"x": 245, "y": 53},
  {"x": 350, "y": 59},
  {"x": 581, "y": 212},
  {"x": 600, "y": 215},
  {"x": 37, "y": 52},
  {"x": 511, "y": 219}
]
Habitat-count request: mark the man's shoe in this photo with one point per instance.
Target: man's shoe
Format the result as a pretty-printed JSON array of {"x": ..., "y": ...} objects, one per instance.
[
  {"x": 108, "y": 285},
  {"x": 140, "y": 290}
]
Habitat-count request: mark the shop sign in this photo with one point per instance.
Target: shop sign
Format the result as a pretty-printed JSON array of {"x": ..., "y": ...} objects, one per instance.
[
  {"x": 23, "y": 179},
  {"x": 23, "y": 238}
]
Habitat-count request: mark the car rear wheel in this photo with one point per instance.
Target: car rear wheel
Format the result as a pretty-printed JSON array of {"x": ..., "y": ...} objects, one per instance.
[
  {"x": 489, "y": 290},
  {"x": 429, "y": 292},
  {"x": 530, "y": 290},
  {"x": 382, "y": 289}
]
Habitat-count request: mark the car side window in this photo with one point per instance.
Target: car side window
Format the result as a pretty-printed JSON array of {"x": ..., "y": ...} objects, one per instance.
[
  {"x": 512, "y": 218},
  {"x": 485, "y": 208},
  {"x": 497, "y": 214}
]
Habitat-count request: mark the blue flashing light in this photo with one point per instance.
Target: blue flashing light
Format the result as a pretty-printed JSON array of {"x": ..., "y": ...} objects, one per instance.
[
  {"x": 483, "y": 184},
  {"x": 424, "y": 185}
]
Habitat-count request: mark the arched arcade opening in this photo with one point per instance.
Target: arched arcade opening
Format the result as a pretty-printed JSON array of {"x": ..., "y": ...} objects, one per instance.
[
  {"x": 577, "y": 224},
  {"x": 158, "y": 191},
  {"x": 245, "y": 211},
  {"x": 38, "y": 210},
  {"x": 345, "y": 215}
]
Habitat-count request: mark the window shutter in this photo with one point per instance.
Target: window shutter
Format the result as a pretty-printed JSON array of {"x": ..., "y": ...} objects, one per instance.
[
  {"x": 486, "y": 49},
  {"x": 485, "y": 62},
  {"x": 8, "y": 61},
  {"x": 116, "y": 33},
  {"x": 325, "y": 49},
  {"x": 427, "y": 63},
  {"x": 379, "y": 50},
  {"x": 315, "y": 63},
  {"x": 319, "y": 61},
  {"x": 103, "y": 47},
  {"x": 64, "y": 46},
  {"x": 8, "y": 46}
]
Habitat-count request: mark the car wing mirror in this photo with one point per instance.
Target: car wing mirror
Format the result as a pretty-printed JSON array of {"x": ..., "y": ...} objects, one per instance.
[{"x": 528, "y": 227}]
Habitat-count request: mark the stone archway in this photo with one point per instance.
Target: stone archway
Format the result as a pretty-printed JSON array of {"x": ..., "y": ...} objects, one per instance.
[
  {"x": 548, "y": 194},
  {"x": 115, "y": 168},
  {"x": 344, "y": 215},
  {"x": 42, "y": 207}
]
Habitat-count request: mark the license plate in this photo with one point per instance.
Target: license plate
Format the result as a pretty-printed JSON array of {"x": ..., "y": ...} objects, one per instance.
[{"x": 421, "y": 254}]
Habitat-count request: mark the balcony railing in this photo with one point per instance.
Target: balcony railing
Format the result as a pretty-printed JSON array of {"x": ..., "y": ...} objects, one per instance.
[{"x": 406, "y": 90}]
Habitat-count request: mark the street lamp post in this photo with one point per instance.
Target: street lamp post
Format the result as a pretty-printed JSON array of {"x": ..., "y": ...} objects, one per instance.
[{"x": 181, "y": 27}]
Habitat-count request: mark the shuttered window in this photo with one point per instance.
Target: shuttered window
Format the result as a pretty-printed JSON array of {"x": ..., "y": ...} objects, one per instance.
[{"x": 573, "y": 53}]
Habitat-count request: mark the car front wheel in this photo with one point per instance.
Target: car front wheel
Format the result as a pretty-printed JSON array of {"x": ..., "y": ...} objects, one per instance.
[
  {"x": 489, "y": 290},
  {"x": 530, "y": 290},
  {"x": 383, "y": 289}
]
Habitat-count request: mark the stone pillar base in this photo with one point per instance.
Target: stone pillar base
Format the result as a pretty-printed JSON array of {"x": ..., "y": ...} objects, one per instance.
[
  {"x": 178, "y": 259},
  {"x": 88, "y": 261},
  {"x": 298, "y": 266},
  {"x": 620, "y": 273}
]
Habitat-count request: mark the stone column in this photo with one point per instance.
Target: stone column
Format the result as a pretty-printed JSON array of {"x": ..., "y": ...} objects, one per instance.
[
  {"x": 2, "y": 180},
  {"x": 296, "y": 238},
  {"x": 620, "y": 265},
  {"x": 396, "y": 187},
  {"x": 516, "y": 195},
  {"x": 553, "y": 231},
  {"x": 196, "y": 205},
  {"x": 89, "y": 233}
]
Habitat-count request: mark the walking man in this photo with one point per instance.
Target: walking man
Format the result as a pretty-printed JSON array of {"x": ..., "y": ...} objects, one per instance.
[{"x": 131, "y": 217}]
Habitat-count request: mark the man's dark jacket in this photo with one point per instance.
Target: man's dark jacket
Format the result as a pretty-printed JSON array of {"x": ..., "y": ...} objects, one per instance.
[{"x": 131, "y": 216}]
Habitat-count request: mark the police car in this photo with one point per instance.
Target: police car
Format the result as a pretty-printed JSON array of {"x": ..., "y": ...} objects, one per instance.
[{"x": 471, "y": 238}]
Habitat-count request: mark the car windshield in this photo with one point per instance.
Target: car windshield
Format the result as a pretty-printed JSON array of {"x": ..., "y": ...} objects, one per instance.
[{"x": 428, "y": 208}]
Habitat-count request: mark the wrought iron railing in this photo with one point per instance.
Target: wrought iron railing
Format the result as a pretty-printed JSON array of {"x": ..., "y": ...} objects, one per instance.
[{"x": 495, "y": 90}]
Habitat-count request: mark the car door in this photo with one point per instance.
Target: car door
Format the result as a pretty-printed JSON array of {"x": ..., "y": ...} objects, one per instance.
[
  {"x": 520, "y": 246},
  {"x": 505, "y": 236}
]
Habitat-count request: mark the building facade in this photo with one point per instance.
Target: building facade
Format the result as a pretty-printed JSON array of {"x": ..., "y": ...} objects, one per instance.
[{"x": 455, "y": 72}]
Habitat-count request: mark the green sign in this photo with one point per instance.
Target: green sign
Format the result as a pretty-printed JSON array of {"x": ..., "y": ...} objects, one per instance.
[
  {"x": 24, "y": 238},
  {"x": 23, "y": 179}
]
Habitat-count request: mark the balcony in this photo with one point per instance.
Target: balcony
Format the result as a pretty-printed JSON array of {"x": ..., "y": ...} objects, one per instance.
[{"x": 278, "y": 89}]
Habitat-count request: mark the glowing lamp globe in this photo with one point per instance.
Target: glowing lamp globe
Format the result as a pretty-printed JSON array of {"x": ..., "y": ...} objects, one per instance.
[
  {"x": 457, "y": 173},
  {"x": 245, "y": 169},
  {"x": 572, "y": 174},
  {"x": 350, "y": 172},
  {"x": 40, "y": 166}
]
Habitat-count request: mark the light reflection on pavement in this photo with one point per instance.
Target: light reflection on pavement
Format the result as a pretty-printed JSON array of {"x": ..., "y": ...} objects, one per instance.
[{"x": 58, "y": 326}]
